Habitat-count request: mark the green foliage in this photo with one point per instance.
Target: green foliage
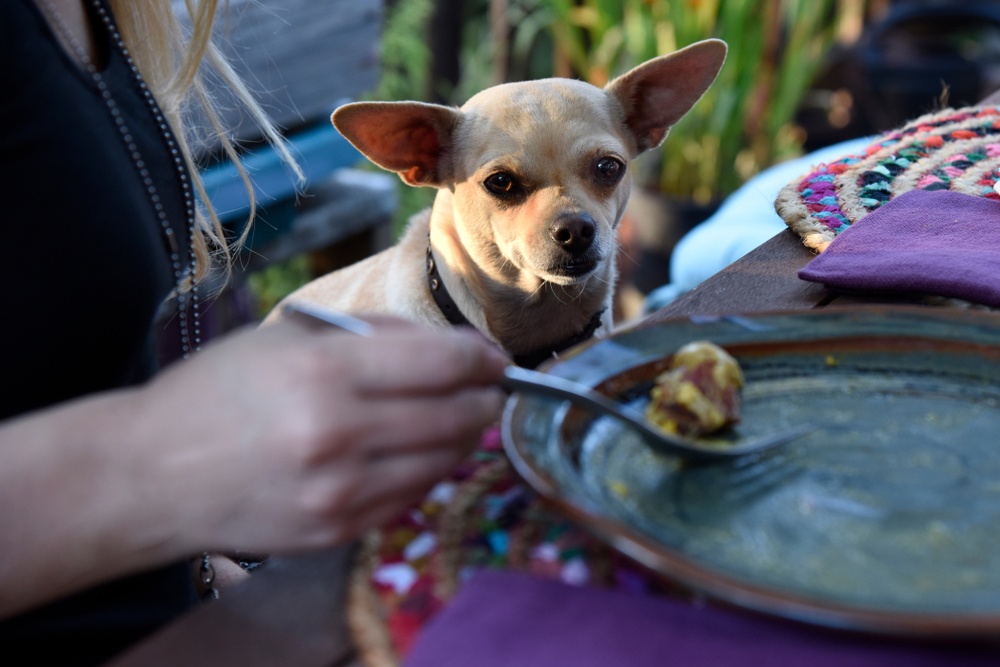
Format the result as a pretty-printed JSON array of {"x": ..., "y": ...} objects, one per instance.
[
  {"x": 528, "y": 55},
  {"x": 406, "y": 58},
  {"x": 743, "y": 124},
  {"x": 271, "y": 284},
  {"x": 411, "y": 200},
  {"x": 746, "y": 120}
]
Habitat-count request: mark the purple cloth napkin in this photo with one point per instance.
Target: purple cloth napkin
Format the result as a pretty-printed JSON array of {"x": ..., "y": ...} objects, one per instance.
[
  {"x": 511, "y": 619},
  {"x": 937, "y": 242}
]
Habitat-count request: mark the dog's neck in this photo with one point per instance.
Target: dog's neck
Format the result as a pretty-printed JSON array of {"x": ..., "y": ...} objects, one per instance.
[
  {"x": 454, "y": 315},
  {"x": 518, "y": 311}
]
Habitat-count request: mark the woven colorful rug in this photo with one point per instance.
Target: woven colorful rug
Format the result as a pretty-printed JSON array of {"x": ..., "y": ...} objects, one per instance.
[
  {"x": 952, "y": 149},
  {"x": 483, "y": 516}
]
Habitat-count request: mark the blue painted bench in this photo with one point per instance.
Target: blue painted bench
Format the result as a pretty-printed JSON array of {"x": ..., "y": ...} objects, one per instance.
[{"x": 338, "y": 202}]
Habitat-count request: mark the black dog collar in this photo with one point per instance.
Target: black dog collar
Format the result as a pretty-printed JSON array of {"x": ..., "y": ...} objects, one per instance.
[{"x": 440, "y": 293}]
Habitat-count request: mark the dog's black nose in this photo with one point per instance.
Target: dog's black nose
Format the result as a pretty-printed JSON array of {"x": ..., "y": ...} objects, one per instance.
[{"x": 574, "y": 234}]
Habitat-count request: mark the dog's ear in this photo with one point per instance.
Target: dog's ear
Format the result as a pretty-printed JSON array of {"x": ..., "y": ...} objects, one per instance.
[
  {"x": 658, "y": 93},
  {"x": 410, "y": 138}
]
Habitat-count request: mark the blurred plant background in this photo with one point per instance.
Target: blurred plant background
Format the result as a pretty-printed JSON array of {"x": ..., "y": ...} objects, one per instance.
[
  {"x": 799, "y": 76},
  {"x": 747, "y": 120},
  {"x": 446, "y": 50}
]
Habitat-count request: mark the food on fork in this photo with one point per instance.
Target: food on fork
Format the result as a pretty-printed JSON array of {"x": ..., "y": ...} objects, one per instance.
[{"x": 699, "y": 393}]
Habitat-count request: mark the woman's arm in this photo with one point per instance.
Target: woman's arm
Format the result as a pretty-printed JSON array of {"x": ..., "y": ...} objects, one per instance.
[{"x": 275, "y": 440}]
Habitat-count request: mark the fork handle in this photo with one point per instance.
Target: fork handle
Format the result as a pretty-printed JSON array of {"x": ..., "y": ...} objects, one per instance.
[{"x": 535, "y": 382}]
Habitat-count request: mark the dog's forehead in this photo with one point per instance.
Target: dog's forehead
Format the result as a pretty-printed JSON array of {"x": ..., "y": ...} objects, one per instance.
[
  {"x": 542, "y": 99},
  {"x": 542, "y": 110}
]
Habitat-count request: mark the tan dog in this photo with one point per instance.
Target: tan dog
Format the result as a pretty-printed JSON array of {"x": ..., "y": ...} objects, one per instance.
[{"x": 532, "y": 182}]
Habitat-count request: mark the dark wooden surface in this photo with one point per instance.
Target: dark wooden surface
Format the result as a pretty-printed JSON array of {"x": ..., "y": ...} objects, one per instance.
[
  {"x": 764, "y": 280},
  {"x": 291, "y": 612}
]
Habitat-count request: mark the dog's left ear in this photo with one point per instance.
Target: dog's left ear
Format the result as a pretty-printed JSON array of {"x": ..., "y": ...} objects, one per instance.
[
  {"x": 412, "y": 139},
  {"x": 658, "y": 93}
]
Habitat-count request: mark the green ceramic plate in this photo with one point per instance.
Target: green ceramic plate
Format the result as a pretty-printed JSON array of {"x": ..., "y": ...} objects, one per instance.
[{"x": 886, "y": 518}]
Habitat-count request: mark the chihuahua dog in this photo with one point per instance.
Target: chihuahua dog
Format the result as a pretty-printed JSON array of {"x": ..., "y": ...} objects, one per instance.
[{"x": 533, "y": 179}]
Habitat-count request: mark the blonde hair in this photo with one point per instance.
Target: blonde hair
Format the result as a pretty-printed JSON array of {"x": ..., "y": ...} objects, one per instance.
[{"x": 173, "y": 62}]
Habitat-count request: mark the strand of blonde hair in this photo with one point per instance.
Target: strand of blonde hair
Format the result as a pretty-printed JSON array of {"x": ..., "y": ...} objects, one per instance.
[{"x": 173, "y": 62}]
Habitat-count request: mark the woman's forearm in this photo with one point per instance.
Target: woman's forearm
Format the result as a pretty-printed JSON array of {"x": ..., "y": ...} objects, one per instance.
[
  {"x": 73, "y": 508},
  {"x": 276, "y": 440}
]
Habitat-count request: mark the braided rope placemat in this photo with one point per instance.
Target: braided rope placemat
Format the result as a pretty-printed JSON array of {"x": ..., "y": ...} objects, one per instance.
[
  {"x": 952, "y": 149},
  {"x": 481, "y": 517}
]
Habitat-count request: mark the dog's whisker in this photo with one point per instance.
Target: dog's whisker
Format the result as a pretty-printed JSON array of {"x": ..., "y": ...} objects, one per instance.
[
  {"x": 563, "y": 294},
  {"x": 538, "y": 289},
  {"x": 602, "y": 280},
  {"x": 557, "y": 295},
  {"x": 581, "y": 290},
  {"x": 623, "y": 252}
]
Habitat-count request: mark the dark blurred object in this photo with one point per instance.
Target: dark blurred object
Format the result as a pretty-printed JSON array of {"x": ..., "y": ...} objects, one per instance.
[
  {"x": 924, "y": 55},
  {"x": 445, "y": 41},
  {"x": 913, "y": 57}
]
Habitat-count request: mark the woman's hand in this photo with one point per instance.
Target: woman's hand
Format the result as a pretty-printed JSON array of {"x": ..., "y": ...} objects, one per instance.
[
  {"x": 300, "y": 437},
  {"x": 278, "y": 439}
]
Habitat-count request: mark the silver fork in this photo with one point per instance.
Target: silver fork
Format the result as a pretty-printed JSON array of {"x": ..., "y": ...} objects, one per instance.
[
  {"x": 522, "y": 379},
  {"x": 535, "y": 382}
]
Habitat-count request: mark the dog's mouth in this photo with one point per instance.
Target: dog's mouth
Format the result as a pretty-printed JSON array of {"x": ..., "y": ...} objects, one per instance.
[
  {"x": 577, "y": 267},
  {"x": 572, "y": 269},
  {"x": 561, "y": 268}
]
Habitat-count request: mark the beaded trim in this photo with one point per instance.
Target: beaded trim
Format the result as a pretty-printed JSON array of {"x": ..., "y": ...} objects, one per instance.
[
  {"x": 190, "y": 331},
  {"x": 953, "y": 149}
]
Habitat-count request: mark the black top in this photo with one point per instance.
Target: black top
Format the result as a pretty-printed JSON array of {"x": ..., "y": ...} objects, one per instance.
[
  {"x": 83, "y": 270},
  {"x": 82, "y": 256}
]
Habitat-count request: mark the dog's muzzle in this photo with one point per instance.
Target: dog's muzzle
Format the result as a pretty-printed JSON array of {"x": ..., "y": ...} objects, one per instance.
[{"x": 573, "y": 236}]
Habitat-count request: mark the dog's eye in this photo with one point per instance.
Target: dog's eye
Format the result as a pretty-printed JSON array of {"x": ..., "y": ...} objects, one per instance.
[
  {"x": 608, "y": 169},
  {"x": 501, "y": 183}
]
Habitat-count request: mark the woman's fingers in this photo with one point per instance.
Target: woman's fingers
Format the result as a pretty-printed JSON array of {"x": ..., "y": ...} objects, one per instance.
[
  {"x": 390, "y": 426},
  {"x": 415, "y": 360},
  {"x": 321, "y": 432},
  {"x": 388, "y": 486},
  {"x": 423, "y": 423}
]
